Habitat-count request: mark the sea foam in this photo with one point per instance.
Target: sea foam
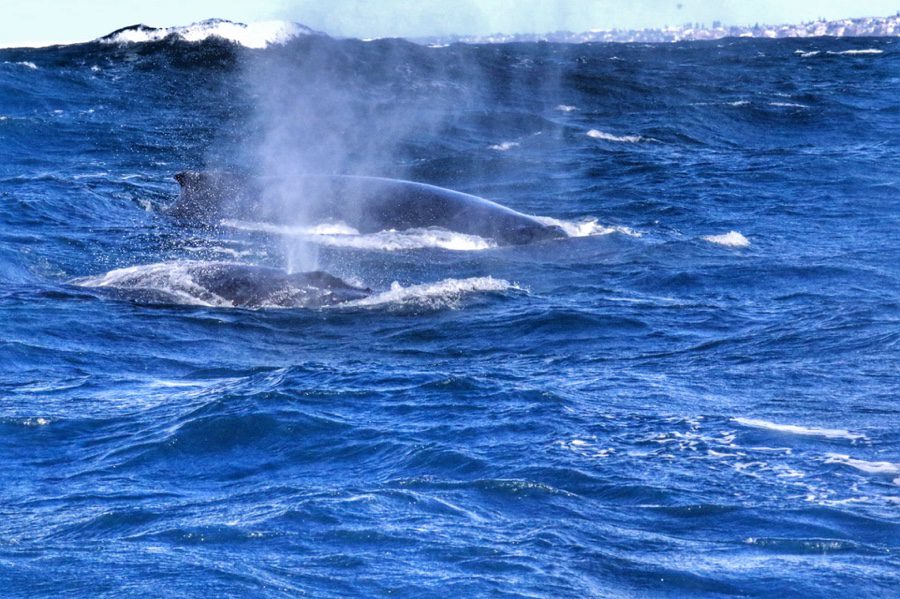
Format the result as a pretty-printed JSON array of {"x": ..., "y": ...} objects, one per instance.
[
  {"x": 866, "y": 51},
  {"x": 731, "y": 239},
  {"x": 342, "y": 235},
  {"x": 793, "y": 429},
  {"x": 504, "y": 146},
  {"x": 888, "y": 468},
  {"x": 630, "y": 139},
  {"x": 585, "y": 228},
  {"x": 442, "y": 294}
]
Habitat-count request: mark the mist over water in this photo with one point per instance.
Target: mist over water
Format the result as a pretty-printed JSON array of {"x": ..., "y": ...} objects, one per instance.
[
  {"x": 693, "y": 394},
  {"x": 321, "y": 112}
]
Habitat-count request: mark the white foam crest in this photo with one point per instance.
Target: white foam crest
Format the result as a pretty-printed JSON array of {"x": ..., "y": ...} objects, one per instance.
[
  {"x": 793, "y": 429},
  {"x": 342, "y": 235},
  {"x": 889, "y": 468},
  {"x": 630, "y": 139},
  {"x": 586, "y": 448},
  {"x": 566, "y": 108},
  {"x": 504, "y": 146},
  {"x": 254, "y": 35},
  {"x": 442, "y": 294},
  {"x": 865, "y": 52},
  {"x": 808, "y": 54},
  {"x": 584, "y": 228},
  {"x": 732, "y": 239},
  {"x": 25, "y": 63},
  {"x": 788, "y": 105},
  {"x": 217, "y": 249},
  {"x": 173, "y": 278},
  {"x": 411, "y": 239},
  {"x": 739, "y": 103}
]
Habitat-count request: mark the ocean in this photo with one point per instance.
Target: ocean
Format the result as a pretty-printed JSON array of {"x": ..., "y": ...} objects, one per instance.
[{"x": 695, "y": 393}]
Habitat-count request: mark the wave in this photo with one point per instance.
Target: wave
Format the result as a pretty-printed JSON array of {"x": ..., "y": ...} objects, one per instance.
[
  {"x": 504, "y": 146},
  {"x": 888, "y": 468},
  {"x": 732, "y": 239},
  {"x": 788, "y": 105},
  {"x": 442, "y": 294},
  {"x": 861, "y": 52},
  {"x": 828, "y": 433},
  {"x": 345, "y": 236},
  {"x": 255, "y": 35},
  {"x": 341, "y": 235},
  {"x": 24, "y": 63},
  {"x": 630, "y": 139},
  {"x": 865, "y": 52},
  {"x": 585, "y": 228}
]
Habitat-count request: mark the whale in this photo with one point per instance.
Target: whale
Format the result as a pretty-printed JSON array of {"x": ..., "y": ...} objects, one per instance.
[
  {"x": 368, "y": 204},
  {"x": 224, "y": 284}
]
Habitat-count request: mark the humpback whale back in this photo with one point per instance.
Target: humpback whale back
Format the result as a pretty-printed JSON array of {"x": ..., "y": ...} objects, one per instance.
[
  {"x": 225, "y": 284},
  {"x": 368, "y": 204}
]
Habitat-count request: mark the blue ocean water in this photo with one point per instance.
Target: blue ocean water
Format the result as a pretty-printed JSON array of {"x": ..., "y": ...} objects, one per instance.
[{"x": 694, "y": 394}]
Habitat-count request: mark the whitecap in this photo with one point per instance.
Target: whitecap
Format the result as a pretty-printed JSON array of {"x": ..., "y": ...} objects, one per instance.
[
  {"x": 885, "y": 468},
  {"x": 254, "y": 35},
  {"x": 808, "y": 54},
  {"x": 342, "y": 235},
  {"x": 739, "y": 103},
  {"x": 442, "y": 294},
  {"x": 731, "y": 239},
  {"x": 828, "y": 433},
  {"x": 865, "y": 52},
  {"x": 28, "y": 64},
  {"x": 788, "y": 105},
  {"x": 220, "y": 250},
  {"x": 588, "y": 227},
  {"x": 586, "y": 448},
  {"x": 566, "y": 108},
  {"x": 505, "y": 146},
  {"x": 596, "y": 134}
]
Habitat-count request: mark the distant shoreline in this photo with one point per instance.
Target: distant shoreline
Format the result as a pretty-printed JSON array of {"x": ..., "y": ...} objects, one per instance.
[{"x": 860, "y": 27}]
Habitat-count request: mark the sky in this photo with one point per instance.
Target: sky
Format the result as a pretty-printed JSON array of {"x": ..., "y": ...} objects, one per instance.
[{"x": 37, "y": 22}]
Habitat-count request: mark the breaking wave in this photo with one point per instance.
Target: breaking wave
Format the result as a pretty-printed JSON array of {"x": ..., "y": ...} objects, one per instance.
[
  {"x": 602, "y": 135},
  {"x": 732, "y": 239},
  {"x": 793, "y": 429},
  {"x": 442, "y": 294},
  {"x": 341, "y": 235},
  {"x": 585, "y": 228}
]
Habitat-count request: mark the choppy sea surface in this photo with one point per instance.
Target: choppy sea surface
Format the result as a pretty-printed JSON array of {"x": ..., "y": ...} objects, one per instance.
[{"x": 694, "y": 394}]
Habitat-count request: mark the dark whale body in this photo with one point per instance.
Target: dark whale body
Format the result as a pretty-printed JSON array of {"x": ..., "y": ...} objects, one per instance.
[
  {"x": 225, "y": 283},
  {"x": 368, "y": 204},
  {"x": 251, "y": 286}
]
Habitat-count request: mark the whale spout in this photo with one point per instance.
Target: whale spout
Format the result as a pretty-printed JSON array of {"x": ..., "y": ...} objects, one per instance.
[{"x": 368, "y": 204}]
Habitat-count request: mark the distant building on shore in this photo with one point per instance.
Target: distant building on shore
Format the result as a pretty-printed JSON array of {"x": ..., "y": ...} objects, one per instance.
[{"x": 863, "y": 27}]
